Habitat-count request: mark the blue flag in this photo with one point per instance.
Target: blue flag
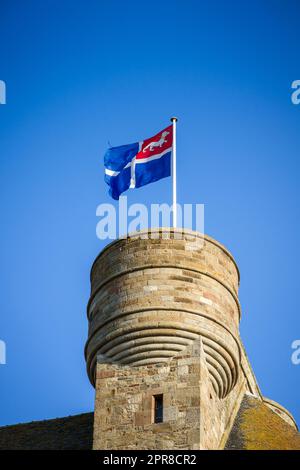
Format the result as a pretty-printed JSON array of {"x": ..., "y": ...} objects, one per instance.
[{"x": 138, "y": 164}]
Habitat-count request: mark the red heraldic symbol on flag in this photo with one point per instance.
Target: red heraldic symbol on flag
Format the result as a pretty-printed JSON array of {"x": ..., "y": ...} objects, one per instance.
[
  {"x": 153, "y": 160},
  {"x": 156, "y": 146}
]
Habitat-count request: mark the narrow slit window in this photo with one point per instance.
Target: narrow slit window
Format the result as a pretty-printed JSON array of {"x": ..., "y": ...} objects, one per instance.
[{"x": 158, "y": 408}]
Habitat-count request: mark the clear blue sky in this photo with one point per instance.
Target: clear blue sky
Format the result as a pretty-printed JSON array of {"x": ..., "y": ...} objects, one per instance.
[{"x": 81, "y": 73}]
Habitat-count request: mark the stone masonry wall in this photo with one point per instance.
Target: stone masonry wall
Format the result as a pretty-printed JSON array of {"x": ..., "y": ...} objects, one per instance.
[
  {"x": 194, "y": 416},
  {"x": 123, "y": 407},
  {"x": 151, "y": 298},
  {"x": 164, "y": 319}
]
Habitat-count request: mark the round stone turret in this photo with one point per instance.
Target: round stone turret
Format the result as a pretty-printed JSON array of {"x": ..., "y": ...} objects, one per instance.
[{"x": 153, "y": 294}]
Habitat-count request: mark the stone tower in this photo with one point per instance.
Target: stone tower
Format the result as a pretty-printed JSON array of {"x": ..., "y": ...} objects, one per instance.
[{"x": 163, "y": 350}]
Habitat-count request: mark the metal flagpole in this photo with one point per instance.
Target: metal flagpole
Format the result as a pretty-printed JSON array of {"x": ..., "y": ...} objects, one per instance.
[{"x": 174, "y": 120}]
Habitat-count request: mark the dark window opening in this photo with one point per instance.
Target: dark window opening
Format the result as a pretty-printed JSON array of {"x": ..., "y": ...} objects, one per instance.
[{"x": 158, "y": 408}]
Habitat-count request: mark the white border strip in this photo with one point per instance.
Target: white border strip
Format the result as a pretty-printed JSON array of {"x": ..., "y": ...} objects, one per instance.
[
  {"x": 138, "y": 160},
  {"x": 155, "y": 157}
]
